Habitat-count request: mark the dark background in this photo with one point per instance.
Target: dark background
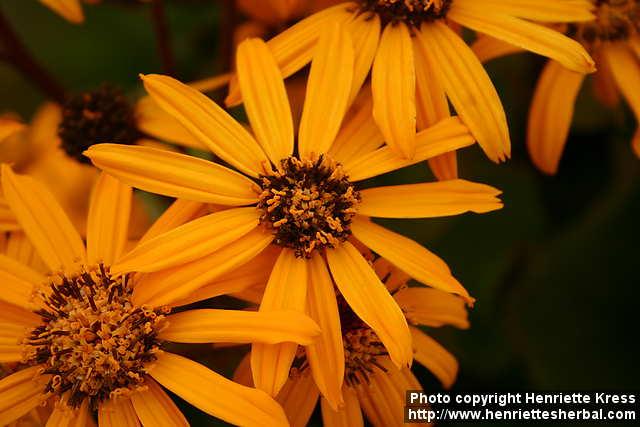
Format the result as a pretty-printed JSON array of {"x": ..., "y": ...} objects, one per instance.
[{"x": 555, "y": 272}]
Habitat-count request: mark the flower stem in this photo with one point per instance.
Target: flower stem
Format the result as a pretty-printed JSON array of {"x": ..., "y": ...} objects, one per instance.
[
  {"x": 16, "y": 53},
  {"x": 161, "y": 29}
]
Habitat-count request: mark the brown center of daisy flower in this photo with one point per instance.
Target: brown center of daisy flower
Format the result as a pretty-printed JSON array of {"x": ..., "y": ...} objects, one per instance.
[
  {"x": 615, "y": 20},
  {"x": 412, "y": 12},
  {"x": 94, "y": 342},
  {"x": 103, "y": 115},
  {"x": 308, "y": 204}
]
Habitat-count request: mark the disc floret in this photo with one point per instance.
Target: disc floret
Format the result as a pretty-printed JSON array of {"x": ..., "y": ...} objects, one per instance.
[
  {"x": 615, "y": 20},
  {"x": 411, "y": 12},
  {"x": 308, "y": 204},
  {"x": 93, "y": 341},
  {"x": 101, "y": 116}
]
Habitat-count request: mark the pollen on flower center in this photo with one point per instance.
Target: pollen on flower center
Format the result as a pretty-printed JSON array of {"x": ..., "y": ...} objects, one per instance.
[
  {"x": 615, "y": 20},
  {"x": 100, "y": 116},
  {"x": 412, "y": 12},
  {"x": 308, "y": 204},
  {"x": 93, "y": 341}
]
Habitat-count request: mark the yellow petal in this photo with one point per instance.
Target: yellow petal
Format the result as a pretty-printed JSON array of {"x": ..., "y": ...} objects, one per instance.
[
  {"x": 488, "y": 48},
  {"x": 237, "y": 326},
  {"x": 173, "y": 174},
  {"x": 349, "y": 415},
  {"x": 210, "y": 84},
  {"x": 326, "y": 354},
  {"x": 19, "y": 247},
  {"x": 180, "y": 212},
  {"x": 435, "y": 357},
  {"x": 166, "y": 286},
  {"x": 117, "y": 413},
  {"x": 213, "y": 127},
  {"x": 393, "y": 81},
  {"x": 11, "y": 338},
  {"x": 359, "y": 134},
  {"x": 11, "y": 313},
  {"x": 71, "y": 10},
  {"x": 265, "y": 99},
  {"x": 432, "y": 307},
  {"x": 468, "y": 87},
  {"x": 293, "y": 48},
  {"x": 365, "y": 33},
  {"x": 155, "y": 408},
  {"x": 64, "y": 416},
  {"x": 298, "y": 398},
  {"x": 156, "y": 122},
  {"x": 625, "y": 68},
  {"x": 431, "y": 99},
  {"x": 9, "y": 126},
  {"x": 380, "y": 400},
  {"x": 445, "y": 166},
  {"x": 223, "y": 399},
  {"x": 190, "y": 241},
  {"x": 408, "y": 256},
  {"x": 18, "y": 282},
  {"x": 108, "y": 221},
  {"x": 429, "y": 200},
  {"x": 370, "y": 300},
  {"x": 447, "y": 135},
  {"x": 8, "y": 221},
  {"x": 542, "y": 11},
  {"x": 43, "y": 220},
  {"x": 550, "y": 115},
  {"x": 527, "y": 35},
  {"x": 286, "y": 290},
  {"x": 244, "y": 279},
  {"x": 328, "y": 91},
  {"x": 20, "y": 393}
]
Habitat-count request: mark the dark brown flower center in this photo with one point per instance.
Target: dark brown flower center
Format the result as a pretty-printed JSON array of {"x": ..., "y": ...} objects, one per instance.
[
  {"x": 615, "y": 20},
  {"x": 411, "y": 12},
  {"x": 308, "y": 204},
  {"x": 104, "y": 115},
  {"x": 93, "y": 341}
]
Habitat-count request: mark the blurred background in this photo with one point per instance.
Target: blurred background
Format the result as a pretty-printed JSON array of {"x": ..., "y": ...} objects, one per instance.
[{"x": 555, "y": 273}]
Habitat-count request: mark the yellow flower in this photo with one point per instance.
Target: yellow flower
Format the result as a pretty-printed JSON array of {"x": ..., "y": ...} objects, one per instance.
[
  {"x": 417, "y": 61},
  {"x": 87, "y": 344},
  {"x": 301, "y": 194},
  {"x": 371, "y": 382},
  {"x": 71, "y": 10},
  {"x": 613, "y": 39}
]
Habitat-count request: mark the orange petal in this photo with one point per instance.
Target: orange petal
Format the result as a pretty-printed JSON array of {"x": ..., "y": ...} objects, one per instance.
[
  {"x": 468, "y": 87},
  {"x": 166, "y": 286},
  {"x": 180, "y": 212},
  {"x": 117, "y": 413},
  {"x": 71, "y": 10},
  {"x": 429, "y": 200},
  {"x": 365, "y": 33},
  {"x": 18, "y": 282},
  {"x": 328, "y": 91},
  {"x": 265, "y": 99},
  {"x": 550, "y": 115},
  {"x": 435, "y": 357},
  {"x": 286, "y": 289},
  {"x": 44, "y": 221},
  {"x": 408, "y": 256},
  {"x": 349, "y": 415},
  {"x": 369, "y": 299},
  {"x": 209, "y": 123},
  {"x": 21, "y": 392},
  {"x": 223, "y": 399},
  {"x": 298, "y": 398},
  {"x": 172, "y": 174},
  {"x": 190, "y": 241},
  {"x": 393, "y": 81},
  {"x": 237, "y": 326},
  {"x": 155, "y": 408},
  {"x": 108, "y": 221},
  {"x": 432, "y": 307},
  {"x": 326, "y": 353}
]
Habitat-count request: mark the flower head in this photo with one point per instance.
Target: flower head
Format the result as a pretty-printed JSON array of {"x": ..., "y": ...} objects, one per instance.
[
  {"x": 300, "y": 194},
  {"x": 418, "y": 61},
  {"x": 87, "y": 345}
]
